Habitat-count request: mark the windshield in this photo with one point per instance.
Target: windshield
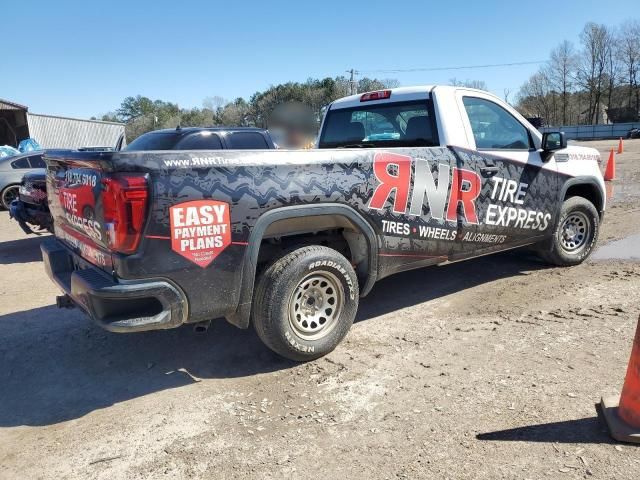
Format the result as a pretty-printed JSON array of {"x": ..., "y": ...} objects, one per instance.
[{"x": 406, "y": 124}]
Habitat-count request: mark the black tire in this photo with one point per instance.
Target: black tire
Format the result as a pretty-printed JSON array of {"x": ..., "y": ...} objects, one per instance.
[
  {"x": 8, "y": 195},
  {"x": 293, "y": 296},
  {"x": 578, "y": 217}
]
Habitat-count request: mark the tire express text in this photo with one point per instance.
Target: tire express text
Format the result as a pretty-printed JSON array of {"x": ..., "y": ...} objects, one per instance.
[{"x": 393, "y": 173}]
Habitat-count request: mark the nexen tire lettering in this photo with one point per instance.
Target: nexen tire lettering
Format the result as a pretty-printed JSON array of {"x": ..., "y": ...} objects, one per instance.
[
  {"x": 298, "y": 346},
  {"x": 339, "y": 268}
]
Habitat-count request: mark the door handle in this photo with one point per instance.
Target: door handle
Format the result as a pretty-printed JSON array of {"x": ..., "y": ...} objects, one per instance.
[{"x": 489, "y": 170}]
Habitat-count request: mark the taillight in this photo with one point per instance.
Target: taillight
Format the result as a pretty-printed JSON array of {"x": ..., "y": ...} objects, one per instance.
[
  {"x": 379, "y": 95},
  {"x": 124, "y": 203}
]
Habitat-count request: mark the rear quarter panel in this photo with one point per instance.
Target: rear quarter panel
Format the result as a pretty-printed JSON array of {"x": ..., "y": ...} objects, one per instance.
[
  {"x": 252, "y": 183},
  {"x": 11, "y": 177}
]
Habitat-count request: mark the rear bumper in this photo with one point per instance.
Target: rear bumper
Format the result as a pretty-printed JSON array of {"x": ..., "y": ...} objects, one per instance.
[{"x": 123, "y": 306}]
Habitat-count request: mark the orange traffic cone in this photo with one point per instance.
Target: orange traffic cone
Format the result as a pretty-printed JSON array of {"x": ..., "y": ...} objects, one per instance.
[
  {"x": 610, "y": 169},
  {"x": 623, "y": 413},
  {"x": 620, "y": 146}
]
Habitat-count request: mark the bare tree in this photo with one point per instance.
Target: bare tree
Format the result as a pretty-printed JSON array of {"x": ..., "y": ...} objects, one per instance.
[
  {"x": 629, "y": 54},
  {"x": 390, "y": 82},
  {"x": 612, "y": 66},
  {"x": 579, "y": 87},
  {"x": 561, "y": 70},
  {"x": 214, "y": 103},
  {"x": 534, "y": 98},
  {"x": 597, "y": 43}
]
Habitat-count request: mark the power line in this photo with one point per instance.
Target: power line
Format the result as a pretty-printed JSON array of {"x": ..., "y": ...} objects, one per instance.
[{"x": 434, "y": 69}]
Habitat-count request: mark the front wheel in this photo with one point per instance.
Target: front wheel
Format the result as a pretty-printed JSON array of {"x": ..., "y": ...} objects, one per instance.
[
  {"x": 305, "y": 303},
  {"x": 575, "y": 235},
  {"x": 8, "y": 195}
]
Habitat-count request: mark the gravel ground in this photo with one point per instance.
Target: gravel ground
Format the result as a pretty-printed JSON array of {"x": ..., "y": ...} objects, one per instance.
[{"x": 489, "y": 368}]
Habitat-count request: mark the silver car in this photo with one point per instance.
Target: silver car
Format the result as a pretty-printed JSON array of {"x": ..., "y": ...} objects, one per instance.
[{"x": 12, "y": 170}]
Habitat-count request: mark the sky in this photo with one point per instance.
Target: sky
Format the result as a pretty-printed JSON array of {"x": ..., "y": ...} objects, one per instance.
[{"x": 82, "y": 58}]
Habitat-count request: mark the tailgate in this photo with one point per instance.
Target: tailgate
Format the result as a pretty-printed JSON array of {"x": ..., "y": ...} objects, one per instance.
[{"x": 74, "y": 189}]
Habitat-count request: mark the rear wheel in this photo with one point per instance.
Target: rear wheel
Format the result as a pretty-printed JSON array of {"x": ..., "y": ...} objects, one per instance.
[
  {"x": 305, "y": 303},
  {"x": 9, "y": 194},
  {"x": 575, "y": 235}
]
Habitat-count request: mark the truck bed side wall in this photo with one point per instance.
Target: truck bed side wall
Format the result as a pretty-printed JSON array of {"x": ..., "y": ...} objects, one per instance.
[{"x": 252, "y": 183}]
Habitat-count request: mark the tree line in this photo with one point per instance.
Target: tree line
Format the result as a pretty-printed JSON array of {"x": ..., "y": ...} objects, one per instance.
[
  {"x": 142, "y": 114},
  {"x": 595, "y": 82}
]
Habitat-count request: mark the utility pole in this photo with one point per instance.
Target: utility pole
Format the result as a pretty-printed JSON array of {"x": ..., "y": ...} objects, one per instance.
[{"x": 353, "y": 86}]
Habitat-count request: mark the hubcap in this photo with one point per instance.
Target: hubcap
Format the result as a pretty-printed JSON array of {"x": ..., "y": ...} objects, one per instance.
[
  {"x": 574, "y": 232},
  {"x": 315, "y": 305}
]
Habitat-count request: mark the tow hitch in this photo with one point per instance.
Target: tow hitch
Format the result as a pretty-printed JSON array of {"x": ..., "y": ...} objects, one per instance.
[
  {"x": 202, "y": 327},
  {"x": 64, "y": 301}
]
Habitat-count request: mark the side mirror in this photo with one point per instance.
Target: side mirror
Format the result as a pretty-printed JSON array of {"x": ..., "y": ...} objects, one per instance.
[{"x": 552, "y": 141}]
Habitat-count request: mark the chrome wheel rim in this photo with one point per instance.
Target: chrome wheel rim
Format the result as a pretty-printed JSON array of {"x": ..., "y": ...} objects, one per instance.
[
  {"x": 574, "y": 232},
  {"x": 9, "y": 195},
  {"x": 315, "y": 305}
]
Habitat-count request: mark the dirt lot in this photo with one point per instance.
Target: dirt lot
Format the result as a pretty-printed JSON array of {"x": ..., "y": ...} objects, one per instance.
[{"x": 484, "y": 369}]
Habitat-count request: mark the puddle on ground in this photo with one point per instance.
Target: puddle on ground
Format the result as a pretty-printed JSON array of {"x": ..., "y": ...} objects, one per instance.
[
  {"x": 619, "y": 192},
  {"x": 625, "y": 249}
]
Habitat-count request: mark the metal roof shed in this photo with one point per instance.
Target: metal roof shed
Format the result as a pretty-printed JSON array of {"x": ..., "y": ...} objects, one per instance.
[
  {"x": 62, "y": 132},
  {"x": 50, "y": 131}
]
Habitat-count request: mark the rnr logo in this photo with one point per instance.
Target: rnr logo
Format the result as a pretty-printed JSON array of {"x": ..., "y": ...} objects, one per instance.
[{"x": 465, "y": 188}]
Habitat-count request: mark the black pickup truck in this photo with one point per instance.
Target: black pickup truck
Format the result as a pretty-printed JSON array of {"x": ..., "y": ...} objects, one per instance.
[{"x": 289, "y": 241}]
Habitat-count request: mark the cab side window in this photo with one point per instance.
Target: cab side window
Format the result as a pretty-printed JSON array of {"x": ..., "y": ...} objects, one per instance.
[
  {"x": 493, "y": 127},
  {"x": 204, "y": 140},
  {"x": 247, "y": 141},
  {"x": 200, "y": 141}
]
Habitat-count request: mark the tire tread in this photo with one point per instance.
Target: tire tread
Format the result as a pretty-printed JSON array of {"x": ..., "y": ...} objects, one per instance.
[{"x": 264, "y": 298}]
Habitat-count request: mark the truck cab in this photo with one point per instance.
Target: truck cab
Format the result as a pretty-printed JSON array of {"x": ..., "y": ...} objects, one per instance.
[{"x": 501, "y": 186}]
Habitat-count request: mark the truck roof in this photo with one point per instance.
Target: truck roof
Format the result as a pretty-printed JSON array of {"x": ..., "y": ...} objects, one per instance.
[
  {"x": 203, "y": 138},
  {"x": 399, "y": 94},
  {"x": 186, "y": 130}
]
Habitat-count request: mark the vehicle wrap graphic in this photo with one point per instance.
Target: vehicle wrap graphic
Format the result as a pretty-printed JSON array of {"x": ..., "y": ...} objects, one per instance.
[
  {"x": 200, "y": 230},
  {"x": 85, "y": 248},
  {"x": 462, "y": 188},
  {"x": 426, "y": 202},
  {"x": 444, "y": 209}
]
